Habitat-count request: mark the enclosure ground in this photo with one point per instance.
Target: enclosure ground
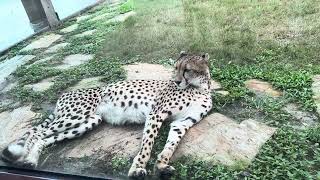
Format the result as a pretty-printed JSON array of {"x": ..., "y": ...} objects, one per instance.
[{"x": 264, "y": 58}]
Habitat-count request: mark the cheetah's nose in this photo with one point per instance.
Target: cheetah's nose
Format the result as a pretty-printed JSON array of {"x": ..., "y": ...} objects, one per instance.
[{"x": 177, "y": 82}]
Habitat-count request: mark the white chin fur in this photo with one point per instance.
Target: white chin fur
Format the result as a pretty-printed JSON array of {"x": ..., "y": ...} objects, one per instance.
[{"x": 15, "y": 149}]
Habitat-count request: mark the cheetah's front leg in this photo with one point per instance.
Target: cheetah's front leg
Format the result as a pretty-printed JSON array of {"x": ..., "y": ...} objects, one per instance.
[
  {"x": 152, "y": 126},
  {"x": 177, "y": 130}
]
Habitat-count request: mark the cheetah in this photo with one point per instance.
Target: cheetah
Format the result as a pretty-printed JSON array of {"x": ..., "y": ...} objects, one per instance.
[{"x": 183, "y": 101}]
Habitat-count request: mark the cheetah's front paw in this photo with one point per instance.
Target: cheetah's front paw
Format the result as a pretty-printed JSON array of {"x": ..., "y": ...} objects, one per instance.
[
  {"x": 137, "y": 172},
  {"x": 27, "y": 164}
]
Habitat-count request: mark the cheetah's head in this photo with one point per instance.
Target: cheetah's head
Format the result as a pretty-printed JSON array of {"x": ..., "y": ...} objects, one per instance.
[{"x": 192, "y": 70}]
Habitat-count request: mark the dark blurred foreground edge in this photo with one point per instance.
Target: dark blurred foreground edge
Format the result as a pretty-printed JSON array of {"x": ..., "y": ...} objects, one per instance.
[{"x": 14, "y": 173}]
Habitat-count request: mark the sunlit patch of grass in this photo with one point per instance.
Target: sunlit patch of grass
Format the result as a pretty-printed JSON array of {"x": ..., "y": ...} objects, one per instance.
[
  {"x": 238, "y": 32},
  {"x": 126, "y": 7}
]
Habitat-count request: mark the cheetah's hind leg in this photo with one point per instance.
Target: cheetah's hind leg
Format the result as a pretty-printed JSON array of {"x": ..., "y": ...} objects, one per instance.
[
  {"x": 76, "y": 131},
  {"x": 16, "y": 151}
]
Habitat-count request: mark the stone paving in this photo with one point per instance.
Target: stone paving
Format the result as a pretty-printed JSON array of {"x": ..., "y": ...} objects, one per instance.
[
  {"x": 88, "y": 83},
  {"x": 121, "y": 17},
  {"x": 100, "y": 17},
  {"x": 70, "y": 28},
  {"x": 8, "y": 87},
  {"x": 10, "y": 65},
  {"x": 306, "y": 119},
  {"x": 83, "y": 17},
  {"x": 74, "y": 60},
  {"x": 56, "y": 47},
  {"x": 48, "y": 58},
  {"x": 221, "y": 139},
  {"x": 17, "y": 121},
  {"x": 43, "y": 42},
  {"x": 217, "y": 137},
  {"x": 42, "y": 85},
  {"x": 261, "y": 87},
  {"x": 316, "y": 91},
  {"x": 86, "y": 33}
]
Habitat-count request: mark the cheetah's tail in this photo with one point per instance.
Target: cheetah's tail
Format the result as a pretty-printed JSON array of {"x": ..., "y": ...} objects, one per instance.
[{"x": 17, "y": 149}]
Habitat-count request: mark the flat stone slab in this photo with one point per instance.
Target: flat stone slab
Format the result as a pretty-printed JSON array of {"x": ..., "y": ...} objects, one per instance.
[
  {"x": 43, "y": 42},
  {"x": 71, "y": 28},
  {"x": 9, "y": 87},
  {"x": 83, "y": 17},
  {"x": 223, "y": 93},
  {"x": 121, "y": 17},
  {"x": 88, "y": 83},
  {"x": 15, "y": 123},
  {"x": 148, "y": 71},
  {"x": 8, "y": 102},
  {"x": 100, "y": 17},
  {"x": 74, "y": 60},
  {"x": 220, "y": 139},
  {"x": 10, "y": 65},
  {"x": 306, "y": 119},
  {"x": 116, "y": 140},
  {"x": 56, "y": 47},
  {"x": 44, "y": 59},
  {"x": 215, "y": 85},
  {"x": 86, "y": 33},
  {"x": 316, "y": 91},
  {"x": 42, "y": 85},
  {"x": 262, "y": 88}
]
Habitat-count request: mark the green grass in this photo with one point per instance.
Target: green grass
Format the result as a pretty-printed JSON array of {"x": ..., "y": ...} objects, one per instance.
[{"x": 126, "y": 7}]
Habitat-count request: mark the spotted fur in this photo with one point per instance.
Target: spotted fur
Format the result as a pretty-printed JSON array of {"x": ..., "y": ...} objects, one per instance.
[{"x": 184, "y": 101}]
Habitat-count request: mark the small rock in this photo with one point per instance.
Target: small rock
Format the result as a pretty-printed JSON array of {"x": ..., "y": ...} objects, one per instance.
[
  {"x": 148, "y": 71},
  {"x": 115, "y": 4},
  {"x": 43, "y": 60},
  {"x": 82, "y": 18},
  {"x": 4, "y": 57},
  {"x": 223, "y": 93},
  {"x": 10, "y": 65},
  {"x": 70, "y": 28},
  {"x": 75, "y": 60},
  {"x": 88, "y": 83},
  {"x": 223, "y": 140},
  {"x": 15, "y": 123},
  {"x": 307, "y": 119},
  {"x": 99, "y": 17},
  {"x": 55, "y": 48},
  {"x": 316, "y": 91},
  {"x": 42, "y": 85},
  {"x": 262, "y": 88},
  {"x": 121, "y": 17},
  {"x": 9, "y": 87},
  {"x": 215, "y": 85},
  {"x": 43, "y": 42},
  {"x": 86, "y": 33}
]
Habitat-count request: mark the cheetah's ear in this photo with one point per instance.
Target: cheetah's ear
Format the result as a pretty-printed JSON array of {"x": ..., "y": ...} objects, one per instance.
[
  {"x": 183, "y": 53},
  {"x": 205, "y": 57}
]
